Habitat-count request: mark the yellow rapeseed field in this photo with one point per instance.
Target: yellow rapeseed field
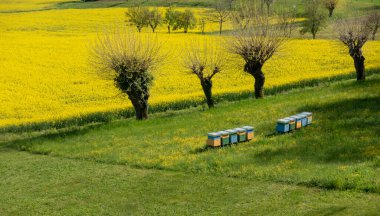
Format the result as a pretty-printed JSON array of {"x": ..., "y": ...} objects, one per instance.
[
  {"x": 46, "y": 75},
  {"x": 25, "y": 5}
]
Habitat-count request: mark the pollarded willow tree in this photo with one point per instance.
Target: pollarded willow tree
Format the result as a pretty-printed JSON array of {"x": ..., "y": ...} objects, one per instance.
[
  {"x": 256, "y": 44},
  {"x": 129, "y": 59},
  {"x": 354, "y": 34},
  {"x": 204, "y": 59}
]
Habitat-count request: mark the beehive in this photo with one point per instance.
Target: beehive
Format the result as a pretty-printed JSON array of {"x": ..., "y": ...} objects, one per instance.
[
  {"x": 214, "y": 139},
  {"x": 292, "y": 123},
  {"x": 233, "y": 135},
  {"x": 298, "y": 121},
  {"x": 303, "y": 119},
  {"x": 242, "y": 135},
  {"x": 309, "y": 117},
  {"x": 225, "y": 138},
  {"x": 250, "y": 132},
  {"x": 282, "y": 125}
]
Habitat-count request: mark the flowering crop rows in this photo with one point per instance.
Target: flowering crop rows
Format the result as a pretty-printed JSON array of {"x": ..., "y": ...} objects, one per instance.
[{"x": 46, "y": 75}]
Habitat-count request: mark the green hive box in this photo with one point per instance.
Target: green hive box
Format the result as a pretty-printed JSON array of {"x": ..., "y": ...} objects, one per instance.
[
  {"x": 225, "y": 138},
  {"x": 292, "y": 123},
  {"x": 242, "y": 134}
]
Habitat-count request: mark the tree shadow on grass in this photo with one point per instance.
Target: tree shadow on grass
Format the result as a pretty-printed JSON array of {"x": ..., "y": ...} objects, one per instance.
[
  {"x": 344, "y": 131},
  {"x": 21, "y": 142}
]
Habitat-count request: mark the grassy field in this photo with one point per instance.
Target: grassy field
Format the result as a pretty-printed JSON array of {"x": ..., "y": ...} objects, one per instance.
[
  {"x": 340, "y": 151},
  {"x": 47, "y": 80},
  {"x": 43, "y": 185},
  {"x": 65, "y": 148},
  {"x": 161, "y": 167}
]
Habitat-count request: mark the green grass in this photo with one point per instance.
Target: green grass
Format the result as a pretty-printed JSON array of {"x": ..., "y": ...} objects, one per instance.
[
  {"x": 340, "y": 151},
  {"x": 43, "y": 185}
]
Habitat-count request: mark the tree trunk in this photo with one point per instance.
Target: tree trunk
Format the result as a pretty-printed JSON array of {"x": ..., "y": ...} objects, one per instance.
[
  {"x": 140, "y": 103},
  {"x": 374, "y": 32},
  {"x": 359, "y": 66},
  {"x": 259, "y": 84},
  {"x": 169, "y": 29},
  {"x": 141, "y": 109},
  {"x": 220, "y": 27},
  {"x": 313, "y": 35},
  {"x": 207, "y": 89},
  {"x": 268, "y": 8},
  {"x": 255, "y": 70},
  {"x": 331, "y": 10}
]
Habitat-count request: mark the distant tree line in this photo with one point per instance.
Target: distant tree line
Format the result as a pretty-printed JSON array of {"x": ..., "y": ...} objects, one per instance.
[{"x": 141, "y": 17}]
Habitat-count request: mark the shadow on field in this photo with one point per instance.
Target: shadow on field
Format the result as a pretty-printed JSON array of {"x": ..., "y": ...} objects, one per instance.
[
  {"x": 331, "y": 210},
  {"x": 344, "y": 131},
  {"x": 30, "y": 139}
]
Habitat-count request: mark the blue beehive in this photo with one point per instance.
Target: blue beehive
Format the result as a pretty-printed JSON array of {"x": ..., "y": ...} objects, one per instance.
[
  {"x": 309, "y": 117},
  {"x": 282, "y": 125},
  {"x": 303, "y": 119},
  {"x": 233, "y": 135}
]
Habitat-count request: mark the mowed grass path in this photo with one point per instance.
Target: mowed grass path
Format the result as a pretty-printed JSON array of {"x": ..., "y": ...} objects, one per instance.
[
  {"x": 341, "y": 150},
  {"x": 42, "y": 185}
]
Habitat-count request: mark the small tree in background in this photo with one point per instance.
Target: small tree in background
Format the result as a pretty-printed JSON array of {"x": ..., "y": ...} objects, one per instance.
[
  {"x": 242, "y": 16},
  {"x": 354, "y": 34},
  {"x": 138, "y": 16},
  {"x": 202, "y": 24},
  {"x": 331, "y": 5},
  {"x": 185, "y": 21},
  {"x": 373, "y": 23},
  {"x": 288, "y": 21},
  {"x": 256, "y": 45},
  {"x": 316, "y": 18},
  {"x": 171, "y": 17},
  {"x": 220, "y": 14},
  {"x": 268, "y": 3},
  {"x": 230, "y": 3},
  {"x": 154, "y": 19},
  {"x": 129, "y": 60},
  {"x": 204, "y": 61}
]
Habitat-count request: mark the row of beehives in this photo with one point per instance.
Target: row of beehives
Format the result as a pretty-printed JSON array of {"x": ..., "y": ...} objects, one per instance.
[
  {"x": 294, "y": 122},
  {"x": 231, "y": 136}
]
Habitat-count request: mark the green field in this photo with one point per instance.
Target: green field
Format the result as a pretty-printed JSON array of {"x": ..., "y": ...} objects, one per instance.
[
  {"x": 109, "y": 164},
  {"x": 162, "y": 166},
  {"x": 44, "y": 185}
]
